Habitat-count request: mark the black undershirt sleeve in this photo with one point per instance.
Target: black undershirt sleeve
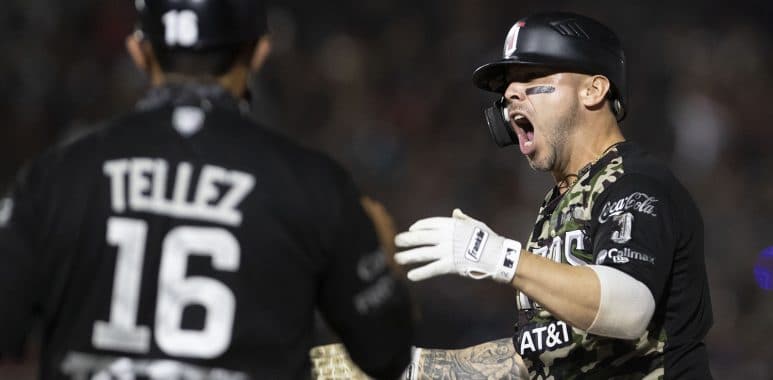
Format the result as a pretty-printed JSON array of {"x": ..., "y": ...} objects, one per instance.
[{"x": 361, "y": 298}]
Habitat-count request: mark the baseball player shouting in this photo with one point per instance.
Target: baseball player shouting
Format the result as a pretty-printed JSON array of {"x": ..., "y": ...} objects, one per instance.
[{"x": 611, "y": 284}]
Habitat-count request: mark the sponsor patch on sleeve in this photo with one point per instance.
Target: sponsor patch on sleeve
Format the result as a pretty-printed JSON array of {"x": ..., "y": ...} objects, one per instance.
[
  {"x": 622, "y": 256},
  {"x": 6, "y": 211},
  {"x": 635, "y": 202}
]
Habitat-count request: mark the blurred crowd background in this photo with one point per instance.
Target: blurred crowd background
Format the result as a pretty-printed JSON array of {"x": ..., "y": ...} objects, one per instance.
[{"x": 385, "y": 87}]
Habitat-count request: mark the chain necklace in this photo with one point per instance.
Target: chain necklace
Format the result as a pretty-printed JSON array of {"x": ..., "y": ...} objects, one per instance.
[{"x": 568, "y": 182}]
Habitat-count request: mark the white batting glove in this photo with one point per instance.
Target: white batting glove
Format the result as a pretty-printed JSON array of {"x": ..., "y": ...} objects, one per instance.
[{"x": 459, "y": 244}]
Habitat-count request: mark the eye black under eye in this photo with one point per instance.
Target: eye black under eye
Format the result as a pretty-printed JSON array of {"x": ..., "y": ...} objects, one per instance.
[{"x": 544, "y": 89}]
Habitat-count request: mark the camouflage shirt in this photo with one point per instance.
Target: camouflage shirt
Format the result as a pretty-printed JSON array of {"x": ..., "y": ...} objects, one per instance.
[{"x": 626, "y": 211}]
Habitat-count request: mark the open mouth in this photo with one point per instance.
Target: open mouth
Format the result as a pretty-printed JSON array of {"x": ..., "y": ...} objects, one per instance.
[{"x": 525, "y": 131}]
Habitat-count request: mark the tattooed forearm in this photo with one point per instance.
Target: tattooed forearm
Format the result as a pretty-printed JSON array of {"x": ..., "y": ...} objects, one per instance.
[{"x": 491, "y": 360}]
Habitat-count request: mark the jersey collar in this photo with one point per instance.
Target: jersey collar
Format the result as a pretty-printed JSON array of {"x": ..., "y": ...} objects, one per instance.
[
  {"x": 204, "y": 95},
  {"x": 584, "y": 175}
]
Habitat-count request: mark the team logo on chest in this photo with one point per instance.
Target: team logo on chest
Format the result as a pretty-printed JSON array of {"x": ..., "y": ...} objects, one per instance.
[{"x": 562, "y": 248}]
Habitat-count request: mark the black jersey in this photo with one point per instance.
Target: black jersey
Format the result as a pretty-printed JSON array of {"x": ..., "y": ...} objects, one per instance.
[
  {"x": 184, "y": 241},
  {"x": 625, "y": 211}
]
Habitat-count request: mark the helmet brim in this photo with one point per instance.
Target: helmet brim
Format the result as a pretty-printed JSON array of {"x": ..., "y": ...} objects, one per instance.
[{"x": 493, "y": 76}]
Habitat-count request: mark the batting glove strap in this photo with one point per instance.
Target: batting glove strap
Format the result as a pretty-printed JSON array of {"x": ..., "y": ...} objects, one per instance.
[
  {"x": 508, "y": 263},
  {"x": 480, "y": 253}
]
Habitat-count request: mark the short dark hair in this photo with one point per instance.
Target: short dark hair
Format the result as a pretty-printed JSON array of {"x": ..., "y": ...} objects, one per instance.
[{"x": 213, "y": 61}]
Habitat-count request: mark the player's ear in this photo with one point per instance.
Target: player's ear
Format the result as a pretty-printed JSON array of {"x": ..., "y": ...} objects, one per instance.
[
  {"x": 593, "y": 91},
  {"x": 141, "y": 53},
  {"x": 134, "y": 48},
  {"x": 262, "y": 50}
]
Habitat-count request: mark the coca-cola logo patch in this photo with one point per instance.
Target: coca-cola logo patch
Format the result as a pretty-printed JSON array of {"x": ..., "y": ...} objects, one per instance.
[{"x": 638, "y": 202}]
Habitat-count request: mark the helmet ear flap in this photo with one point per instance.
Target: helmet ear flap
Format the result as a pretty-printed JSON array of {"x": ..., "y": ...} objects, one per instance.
[
  {"x": 616, "y": 104},
  {"x": 499, "y": 124},
  {"x": 617, "y": 108}
]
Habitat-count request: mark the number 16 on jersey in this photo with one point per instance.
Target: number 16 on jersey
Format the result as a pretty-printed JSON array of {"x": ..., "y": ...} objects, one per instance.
[{"x": 175, "y": 291}]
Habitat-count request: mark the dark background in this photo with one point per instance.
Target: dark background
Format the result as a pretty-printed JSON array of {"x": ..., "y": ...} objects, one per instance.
[{"x": 385, "y": 87}]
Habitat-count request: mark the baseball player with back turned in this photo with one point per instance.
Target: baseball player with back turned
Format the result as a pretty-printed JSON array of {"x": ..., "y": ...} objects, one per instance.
[
  {"x": 183, "y": 240},
  {"x": 611, "y": 284}
]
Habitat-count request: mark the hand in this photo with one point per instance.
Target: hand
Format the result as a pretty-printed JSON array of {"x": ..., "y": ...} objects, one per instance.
[
  {"x": 332, "y": 361},
  {"x": 459, "y": 244}
]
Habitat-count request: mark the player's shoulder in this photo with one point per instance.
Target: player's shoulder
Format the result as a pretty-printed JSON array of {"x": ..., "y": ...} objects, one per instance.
[
  {"x": 638, "y": 165},
  {"x": 642, "y": 173},
  {"x": 74, "y": 149},
  {"x": 83, "y": 145},
  {"x": 301, "y": 158},
  {"x": 316, "y": 167},
  {"x": 235, "y": 133}
]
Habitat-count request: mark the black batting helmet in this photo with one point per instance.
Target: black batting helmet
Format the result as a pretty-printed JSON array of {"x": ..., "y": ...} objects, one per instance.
[
  {"x": 563, "y": 41},
  {"x": 201, "y": 24}
]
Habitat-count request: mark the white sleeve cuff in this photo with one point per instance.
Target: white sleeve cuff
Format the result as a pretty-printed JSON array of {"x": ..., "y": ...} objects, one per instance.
[{"x": 626, "y": 305}]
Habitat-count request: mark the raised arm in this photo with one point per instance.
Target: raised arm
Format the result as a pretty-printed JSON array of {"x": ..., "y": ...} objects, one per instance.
[{"x": 600, "y": 299}]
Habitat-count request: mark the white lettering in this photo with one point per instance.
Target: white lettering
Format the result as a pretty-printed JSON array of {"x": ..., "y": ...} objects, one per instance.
[
  {"x": 371, "y": 265},
  {"x": 539, "y": 331},
  {"x": 160, "y": 169},
  {"x": 242, "y": 185},
  {"x": 577, "y": 237},
  {"x": 116, "y": 170},
  {"x": 637, "y": 201},
  {"x": 565, "y": 329},
  {"x": 181, "y": 27},
  {"x": 526, "y": 342},
  {"x": 540, "y": 338},
  {"x": 476, "y": 244},
  {"x": 207, "y": 191},
  {"x": 622, "y": 256},
  {"x": 622, "y": 235},
  {"x": 181, "y": 187},
  {"x": 541, "y": 251},
  {"x": 555, "y": 249},
  {"x": 89, "y": 366},
  {"x": 374, "y": 296},
  {"x": 216, "y": 197},
  {"x": 139, "y": 184}
]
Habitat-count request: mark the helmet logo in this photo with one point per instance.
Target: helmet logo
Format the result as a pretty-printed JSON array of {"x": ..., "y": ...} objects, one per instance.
[
  {"x": 181, "y": 27},
  {"x": 511, "y": 42}
]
